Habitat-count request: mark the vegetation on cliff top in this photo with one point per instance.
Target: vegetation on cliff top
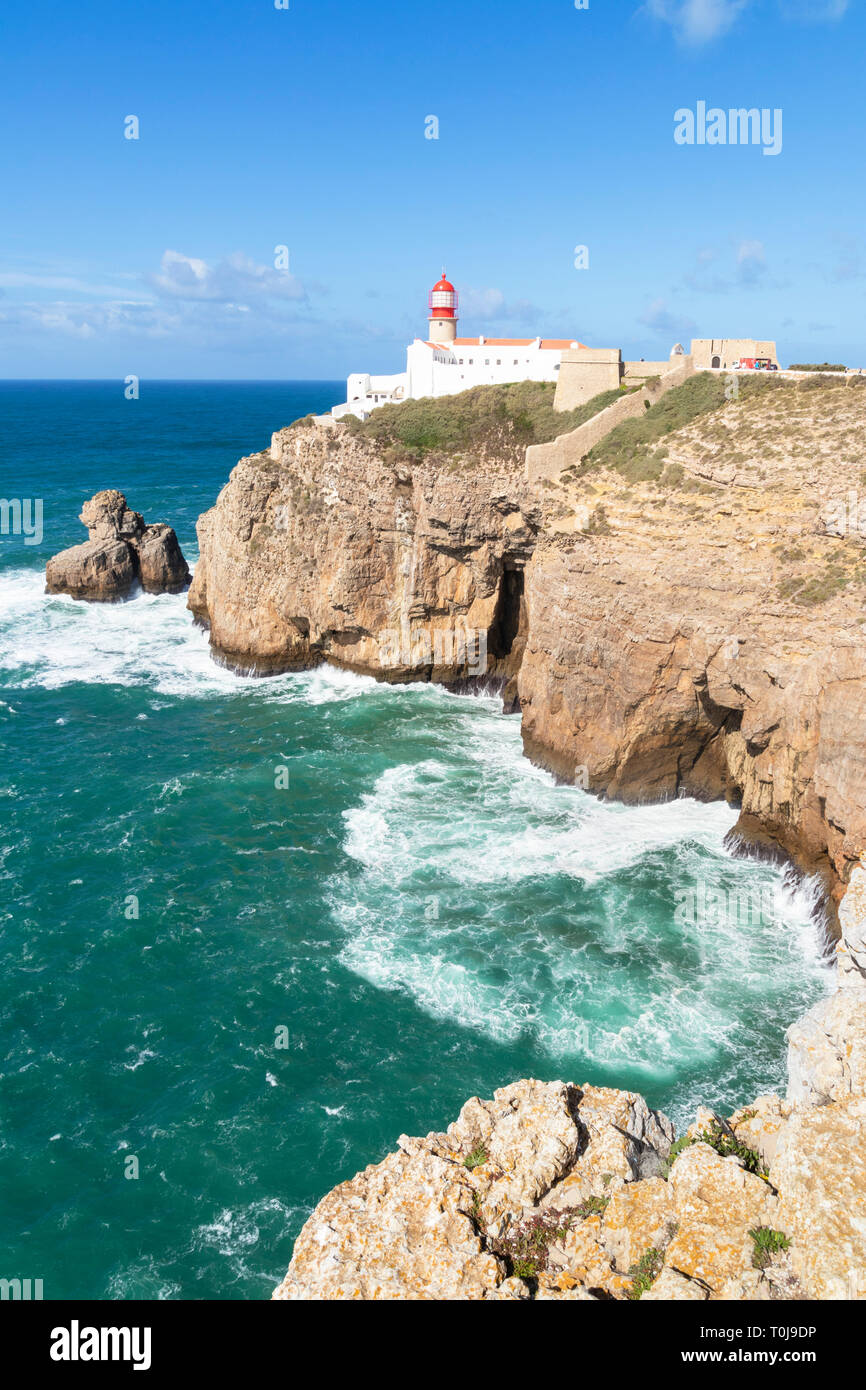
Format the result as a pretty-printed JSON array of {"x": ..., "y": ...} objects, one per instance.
[
  {"x": 497, "y": 421},
  {"x": 636, "y": 449},
  {"x": 632, "y": 449},
  {"x": 817, "y": 367}
]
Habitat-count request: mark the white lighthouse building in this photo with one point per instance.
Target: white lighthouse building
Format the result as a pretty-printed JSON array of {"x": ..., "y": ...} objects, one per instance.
[{"x": 443, "y": 364}]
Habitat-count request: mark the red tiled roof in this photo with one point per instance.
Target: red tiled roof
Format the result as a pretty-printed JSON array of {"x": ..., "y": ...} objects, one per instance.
[{"x": 547, "y": 344}]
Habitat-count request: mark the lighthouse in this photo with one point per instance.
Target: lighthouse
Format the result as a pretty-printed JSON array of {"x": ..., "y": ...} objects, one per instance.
[
  {"x": 443, "y": 311},
  {"x": 443, "y": 364}
]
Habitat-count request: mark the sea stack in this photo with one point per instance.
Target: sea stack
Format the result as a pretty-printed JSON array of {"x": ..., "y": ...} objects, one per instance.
[{"x": 122, "y": 551}]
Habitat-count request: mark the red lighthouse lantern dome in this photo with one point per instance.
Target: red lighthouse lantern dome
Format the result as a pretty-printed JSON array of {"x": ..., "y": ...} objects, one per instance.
[{"x": 443, "y": 300}]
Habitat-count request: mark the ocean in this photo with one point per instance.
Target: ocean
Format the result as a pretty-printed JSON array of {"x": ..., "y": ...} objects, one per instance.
[{"x": 221, "y": 995}]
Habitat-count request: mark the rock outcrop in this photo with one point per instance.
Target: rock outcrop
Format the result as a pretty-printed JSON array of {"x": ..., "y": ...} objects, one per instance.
[
  {"x": 693, "y": 630},
  {"x": 827, "y": 1047},
  {"x": 520, "y": 1198},
  {"x": 122, "y": 551},
  {"x": 439, "y": 1218},
  {"x": 319, "y": 550},
  {"x": 556, "y": 1191}
]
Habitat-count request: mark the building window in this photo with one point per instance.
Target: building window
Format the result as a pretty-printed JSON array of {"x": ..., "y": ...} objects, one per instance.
[
  {"x": 499, "y": 361},
  {"x": 461, "y": 361},
  {"x": 516, "y": 362},
  {"x": 487, "y": 361}
]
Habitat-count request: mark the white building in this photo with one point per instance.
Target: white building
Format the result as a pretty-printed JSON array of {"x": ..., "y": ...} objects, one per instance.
[{"x": 444, "y": 364}]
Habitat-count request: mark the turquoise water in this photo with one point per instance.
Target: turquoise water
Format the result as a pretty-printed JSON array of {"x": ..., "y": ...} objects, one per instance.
[{"x": 424, "y": 914}]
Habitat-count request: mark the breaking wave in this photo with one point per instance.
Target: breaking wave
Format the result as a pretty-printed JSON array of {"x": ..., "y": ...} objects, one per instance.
[{"x": 617, "y": 936}]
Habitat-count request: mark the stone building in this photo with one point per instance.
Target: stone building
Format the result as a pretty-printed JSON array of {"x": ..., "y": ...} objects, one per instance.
[
  {"x": 443, "y": 364},
  {"x": 586, "y": 372},
  {"x": 724, "y": 352}
]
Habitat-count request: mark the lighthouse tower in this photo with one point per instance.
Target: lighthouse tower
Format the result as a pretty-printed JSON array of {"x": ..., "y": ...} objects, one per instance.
[{"x": 443, "y": 312}]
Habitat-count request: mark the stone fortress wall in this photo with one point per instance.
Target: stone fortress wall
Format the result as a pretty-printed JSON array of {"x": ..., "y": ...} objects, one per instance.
[
  {"x": 586, "y": 372},
  {"x": 724, "y": 352},
  {"x": 548, "y": 460}
]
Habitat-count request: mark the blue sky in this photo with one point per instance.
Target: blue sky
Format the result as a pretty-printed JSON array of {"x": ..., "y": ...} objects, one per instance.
[{"x": 305, "y": 128}]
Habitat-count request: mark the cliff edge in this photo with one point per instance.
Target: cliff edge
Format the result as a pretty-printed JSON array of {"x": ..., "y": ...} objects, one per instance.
[{"x": 680, "y": 612}]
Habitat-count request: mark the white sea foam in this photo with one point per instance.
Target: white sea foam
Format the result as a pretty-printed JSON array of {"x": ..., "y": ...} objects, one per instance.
[
  {"x": 548, "y": 829},
  {"x": 489, "y": 895},
  {"x": 51, "y": 640},
  {"x": 462, "y": 901},
  {"x": 237, "y": 1236}
]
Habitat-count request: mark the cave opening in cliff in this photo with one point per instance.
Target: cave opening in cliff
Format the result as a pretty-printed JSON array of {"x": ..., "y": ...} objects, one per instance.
[{"x": 506, "y": 615}]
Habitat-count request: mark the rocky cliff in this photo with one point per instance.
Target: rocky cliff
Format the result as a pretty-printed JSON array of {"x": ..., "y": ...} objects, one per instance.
[
  {"x": 122, "y": 550},
  {"x": 322, "y": 550},
  {"x": 555, "y": 1191},
  {"x": 678, "y": 611},
  {"x": 682, "y": 615}
]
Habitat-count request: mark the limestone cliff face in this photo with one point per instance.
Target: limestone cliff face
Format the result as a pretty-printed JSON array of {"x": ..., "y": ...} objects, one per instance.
[
  {"x": 318, "y": 550},
  {"x": 699, "y": 634},
  {"x": 703, "y": 633},
  {"x": 659, "y": 663},
  {"x": 685, "y": 623}
]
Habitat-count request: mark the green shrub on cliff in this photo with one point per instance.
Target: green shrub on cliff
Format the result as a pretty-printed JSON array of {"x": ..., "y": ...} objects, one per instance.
[
  {"x": 631, "y": 448},
  {"x": 525, "y": 1245},
  {"x": 767, "y": 1242},
  {"x": 496, "y": 420},
  {"x": 644, "y": 1273},
  {"x": 476, "y": 1158},
  {"x": 722, "y": 1138}
]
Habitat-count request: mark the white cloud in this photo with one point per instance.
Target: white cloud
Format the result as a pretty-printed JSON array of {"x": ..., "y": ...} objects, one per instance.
[
  {"x": 72, "y": 284},
  {"x": 488, "y": 305},
  {"x": 751, "y": 262},
  {"x": 698, "y": 21},
  {"x": 659, "y": 319},
  {"x": 712, "y": 275},
  {"x": 237, "y": 278},
  {"x": 233, "y": 301},
  {"x": 76, "y": 319}
]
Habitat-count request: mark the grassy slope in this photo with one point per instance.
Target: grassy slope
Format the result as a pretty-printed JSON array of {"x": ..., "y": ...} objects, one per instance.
[
  {"x": 792, "y": 447},
  {"x": 494, "y": 420}
]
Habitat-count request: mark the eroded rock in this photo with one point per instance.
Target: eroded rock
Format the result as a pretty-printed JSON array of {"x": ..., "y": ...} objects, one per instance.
[
  {"x": 820, "y": 1172},
  {"x": 827, "y": 1046},
  {"x": 422, "y": 1224},
  {"x": 716, "y": 1204},
  {"x": 121, "y": 552},
  {"x": 665, "y": 651}
]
